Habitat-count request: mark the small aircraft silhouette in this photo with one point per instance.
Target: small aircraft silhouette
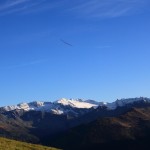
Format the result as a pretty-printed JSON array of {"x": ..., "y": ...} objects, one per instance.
[{"x": 65, "y": 42}]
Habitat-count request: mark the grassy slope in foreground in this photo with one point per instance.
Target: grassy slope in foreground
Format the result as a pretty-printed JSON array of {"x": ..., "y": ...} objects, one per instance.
[{"x": 8, "y": 144}]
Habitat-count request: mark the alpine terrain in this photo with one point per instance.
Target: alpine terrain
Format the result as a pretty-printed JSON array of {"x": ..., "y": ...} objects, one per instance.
[{"x": 79, "y": 124}]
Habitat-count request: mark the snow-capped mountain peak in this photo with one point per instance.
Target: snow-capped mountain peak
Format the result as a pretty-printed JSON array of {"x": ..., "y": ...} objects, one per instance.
[
  {"x": 61, "y": 106},
  {"x": 123, "y": 102},
  {"x": 77, "y": 103},
  {"x": 65, "y": 106}
]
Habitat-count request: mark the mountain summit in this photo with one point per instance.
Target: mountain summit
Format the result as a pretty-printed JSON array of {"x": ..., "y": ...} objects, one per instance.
[{"x": 62, "y": 106}]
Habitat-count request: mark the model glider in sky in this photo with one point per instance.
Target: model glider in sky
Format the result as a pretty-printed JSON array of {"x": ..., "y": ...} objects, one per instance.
[{"x": 65, "y": 42}]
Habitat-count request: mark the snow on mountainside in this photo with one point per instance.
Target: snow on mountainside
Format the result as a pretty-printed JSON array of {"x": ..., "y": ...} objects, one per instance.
[
  {"x": 123, "y": 102},
  {"x": 58, "y": 107},
  {"x": 63, "y": 106},
  {"x": 77, "y": 103}
]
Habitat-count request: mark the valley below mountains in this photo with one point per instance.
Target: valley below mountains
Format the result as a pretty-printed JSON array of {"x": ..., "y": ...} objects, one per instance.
[{"x": 72, "y": 124}]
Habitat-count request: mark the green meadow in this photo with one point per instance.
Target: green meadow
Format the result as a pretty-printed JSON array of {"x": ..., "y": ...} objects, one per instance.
[{"x": 7, "y": 144}]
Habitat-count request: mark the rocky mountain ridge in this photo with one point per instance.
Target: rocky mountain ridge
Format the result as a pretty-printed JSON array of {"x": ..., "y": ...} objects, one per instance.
[{"x": 63, "y": 106}]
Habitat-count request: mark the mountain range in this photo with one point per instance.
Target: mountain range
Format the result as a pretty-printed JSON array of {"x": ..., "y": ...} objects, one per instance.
[
  {"x": 79, "y": 124},
  {"x": 65, "y": 106}
]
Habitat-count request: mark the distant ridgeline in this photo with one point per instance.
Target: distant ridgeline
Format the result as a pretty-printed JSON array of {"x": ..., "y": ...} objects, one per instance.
[{"x": 60, "y": 106}]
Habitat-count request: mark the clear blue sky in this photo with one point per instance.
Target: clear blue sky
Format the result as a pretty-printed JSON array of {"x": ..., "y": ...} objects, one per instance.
[{"x": 109, "y": 57}]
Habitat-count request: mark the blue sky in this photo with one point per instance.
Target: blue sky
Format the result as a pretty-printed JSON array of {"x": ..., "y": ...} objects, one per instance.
[{"x": 108, "y": 59}]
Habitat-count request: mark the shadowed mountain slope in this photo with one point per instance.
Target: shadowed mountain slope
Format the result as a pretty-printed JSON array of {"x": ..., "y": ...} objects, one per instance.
[
  {"x": 128, "y": 131},
  {"x": 121, "y": 124}
]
